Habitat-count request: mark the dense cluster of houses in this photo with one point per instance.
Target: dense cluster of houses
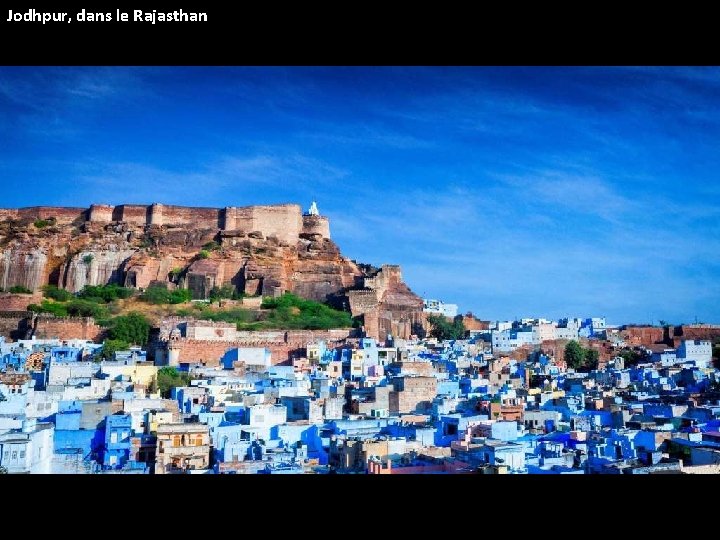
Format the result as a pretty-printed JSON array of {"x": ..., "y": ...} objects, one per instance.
[{"x": 502, "y": 401}]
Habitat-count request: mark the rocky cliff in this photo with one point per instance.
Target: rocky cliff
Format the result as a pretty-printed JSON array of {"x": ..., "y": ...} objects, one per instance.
[{"x": 258, "y": 250}]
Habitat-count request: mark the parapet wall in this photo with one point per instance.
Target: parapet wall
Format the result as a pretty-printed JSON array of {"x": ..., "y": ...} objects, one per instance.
[
  {"x": 698, "y": 331},
  {"x": 21, "y": 324},
  {"x": 283, "y": 345},
  {"x": 285, "y": 221},
  {"x": 19, "y": 302},
  {"x": 642, "y": 335},
  {"x": 389, "y": 275},
  {"x": 16, "y": 325},
  {"x": 49, "y": 327},
  {"x": 62, "y": 215},
  {"x": 362, "y": 301}
]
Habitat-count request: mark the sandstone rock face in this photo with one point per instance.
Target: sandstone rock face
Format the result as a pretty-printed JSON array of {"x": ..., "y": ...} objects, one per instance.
[
  {"x": 141, "y": 269},
  {"x": 260, "y": 250},
  {"x": 23, "y": 266},
  {"x": 95, "y": 267}
]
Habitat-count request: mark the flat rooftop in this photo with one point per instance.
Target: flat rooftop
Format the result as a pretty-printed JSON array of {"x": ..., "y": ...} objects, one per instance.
[{"x": 182, "y": 428}]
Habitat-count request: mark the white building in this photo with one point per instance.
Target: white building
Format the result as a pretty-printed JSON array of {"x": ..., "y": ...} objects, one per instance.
[
  {"x": 534, "y": 322},
  {"x": 598, "y": 325},
  {"x": 438, "y": 307},
  {"x": 60, "y": 373},
  {"x": 250, "y": 356},
  {"x": 266, "y": 415},
  {"x": 502, "y": 325},
  {"x": 29, "y": 450},
  {"x": 263, "y": 417},
  {"x": 567, "y": 329},
  {"x": 543, "y": 331},
  {"x": 509, "y": 340},
  {"x": 695, "y": 349}
]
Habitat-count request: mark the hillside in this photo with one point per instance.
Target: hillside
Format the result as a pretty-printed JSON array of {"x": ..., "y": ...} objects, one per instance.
[{"x": 253, "y": 251}]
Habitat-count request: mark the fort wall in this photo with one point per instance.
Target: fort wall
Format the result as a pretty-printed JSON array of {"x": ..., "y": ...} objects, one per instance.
[
  {"x": 282, "y": 220},
  {"x": 62, "y": 215}
]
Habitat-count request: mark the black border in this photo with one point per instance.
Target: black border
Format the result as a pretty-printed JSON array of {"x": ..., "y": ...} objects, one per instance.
[{"x": 365, "y": 34}]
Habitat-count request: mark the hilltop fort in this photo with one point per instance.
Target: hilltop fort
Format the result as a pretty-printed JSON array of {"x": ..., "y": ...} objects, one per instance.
[{"x": 258, "y": 250}]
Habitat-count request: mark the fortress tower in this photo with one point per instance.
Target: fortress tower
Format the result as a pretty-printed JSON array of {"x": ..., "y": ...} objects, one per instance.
[
  {"x": 101, "y": 213},
  {"x": 314, "y": 223}
]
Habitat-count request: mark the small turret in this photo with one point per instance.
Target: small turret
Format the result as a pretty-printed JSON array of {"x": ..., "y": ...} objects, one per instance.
[
  {"x": 314, "y": 223},
  {"x": 313, "y": 211}
]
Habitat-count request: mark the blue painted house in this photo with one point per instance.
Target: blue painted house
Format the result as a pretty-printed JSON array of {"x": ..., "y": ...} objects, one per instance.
[
  {"x": 608, "y": 447},
  {"x": 65, "y": 354},
  {"x": 118, "y": 429}
]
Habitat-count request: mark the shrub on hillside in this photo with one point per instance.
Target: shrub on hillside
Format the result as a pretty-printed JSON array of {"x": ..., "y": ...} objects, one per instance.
[
  {"x": 43, "y": 223},
  {"x": 169, "y": 378},
  {"x": 133, "y": 328},
  {"x": 160, "y": 295},
  {"x": 19, "y": 289},
  {"x": 111, "y": 346},
  {"x": 59, "y": 295},
  {"x": 292, "y": 312},
  {"x": 105, "y": 293}
]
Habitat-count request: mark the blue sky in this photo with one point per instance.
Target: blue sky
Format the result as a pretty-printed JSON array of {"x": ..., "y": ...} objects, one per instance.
[{"x": 509, "y": 191}]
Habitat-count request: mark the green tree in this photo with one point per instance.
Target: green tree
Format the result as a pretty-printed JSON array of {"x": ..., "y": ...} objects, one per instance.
[
  {"x": 444, "y": 329},
  {"x": 221, "y": 293},
  {"x": 574, "y": 355},
  {"x": 86, "y": 308},
  {"x": 105, "y": 293},
  {"x": 42, "y": 223},
  {"x": 156, "y": 295},
  {"x": 169, "y": 378},
  {"x": 204, "y": 254},
  {"x": 592, "y": 359},
  {"x": 74, "y": 308},
  {"x": 161, "y": 295},
  {"x": 19, "y": 289},
  {"x": 59, "y": 310},
  {"x": 59, "y": 295},
  {"x": 132, "y": 328},
  {"x": 631, "y": 357},
  {"x": 180, "y": 296},
  {"x": 110, "y": 346},
  {"x": 289, "y": 311}
]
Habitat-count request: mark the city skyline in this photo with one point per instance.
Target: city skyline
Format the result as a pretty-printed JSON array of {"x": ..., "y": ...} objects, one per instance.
[{"x": 546, "y": 192}]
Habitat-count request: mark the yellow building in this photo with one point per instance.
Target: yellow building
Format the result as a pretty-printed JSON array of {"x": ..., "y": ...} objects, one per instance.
[
  {"x": 159, "y": 418},
  {"x": 142, "y": 374},
  {"x": 313, "y": 352}
]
